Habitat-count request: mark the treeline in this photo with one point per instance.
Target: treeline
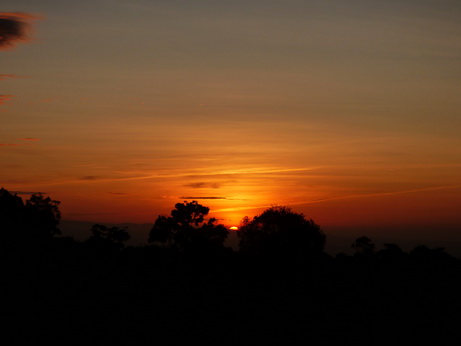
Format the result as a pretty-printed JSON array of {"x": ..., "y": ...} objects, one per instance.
[{"x": 187, "y": 287}]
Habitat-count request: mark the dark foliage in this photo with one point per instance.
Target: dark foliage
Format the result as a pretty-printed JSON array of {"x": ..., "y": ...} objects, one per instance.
[
  {"x": 35, "y": 221},
  {"x": 42, "y": 216},
  {"x": 186, "y": 229},
  {"x": 364, "y": 247},
  {"x": 103, "y": 237},
  {"x": 62, "y": 292},
  {"x": 279, "y": 231}
]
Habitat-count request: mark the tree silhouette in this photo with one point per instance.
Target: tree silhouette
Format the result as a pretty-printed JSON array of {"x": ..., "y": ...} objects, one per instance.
[
  {"x": 36, "y": 220},
  {"x": 11, "y": 216},
  {"x": 42, "y": 216},
  {"x": 109, "y": 235},
  {"x": 363, "y": 246},
  {"x": 187, "y": 230},
  {"x": 279, "y": 230}
]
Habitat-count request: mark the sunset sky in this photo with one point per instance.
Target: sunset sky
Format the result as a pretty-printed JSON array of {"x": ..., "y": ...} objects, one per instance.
[{"x": 347, "y": 111}]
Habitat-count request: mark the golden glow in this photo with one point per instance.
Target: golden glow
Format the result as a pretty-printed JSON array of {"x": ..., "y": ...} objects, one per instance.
[
  {"x": 346, "y": 136},
  {"x": 233, "y": 228}
]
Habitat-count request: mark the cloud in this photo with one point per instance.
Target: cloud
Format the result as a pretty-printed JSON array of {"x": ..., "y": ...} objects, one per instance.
[
  {"x": 202, "y": 185},
  {"x": 14, "y": 28},
  {"x": 194, "y": 198},
  {"x": 20, "y": 144},
  {"x": 90, "y": 177},
  {"x": 29, "y": 139},
  {"x": 6, "y": 76},
  {"x": 4, "y": 98},
  {"x": 28, "y": 192}
]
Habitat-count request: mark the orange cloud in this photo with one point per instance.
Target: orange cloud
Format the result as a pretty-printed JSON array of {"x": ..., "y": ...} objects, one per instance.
[
  {"x": 14, "y": 27},
  {"x": 8, "y": 145},
  {"x": 4, "y": 98},
  {"x": 6, "y": 76},
  {"x": 30, "y": 139},
  {"x": 206, "y": 197}
]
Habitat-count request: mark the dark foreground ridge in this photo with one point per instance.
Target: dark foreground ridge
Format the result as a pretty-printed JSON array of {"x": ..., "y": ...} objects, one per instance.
[{"x": 280, "y": 289}]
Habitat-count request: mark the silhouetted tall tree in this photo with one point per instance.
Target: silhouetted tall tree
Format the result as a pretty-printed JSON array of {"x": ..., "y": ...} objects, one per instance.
[
  {"x": 187, "y": 230},
  {"x": 280, "y": 231}
]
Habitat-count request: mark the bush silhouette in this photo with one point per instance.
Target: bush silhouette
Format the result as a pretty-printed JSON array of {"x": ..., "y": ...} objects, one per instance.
[{"x": 281, "y": 231}]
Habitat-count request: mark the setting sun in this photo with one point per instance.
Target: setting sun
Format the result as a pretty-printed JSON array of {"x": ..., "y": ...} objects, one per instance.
[{"x": 347, "y": 117}]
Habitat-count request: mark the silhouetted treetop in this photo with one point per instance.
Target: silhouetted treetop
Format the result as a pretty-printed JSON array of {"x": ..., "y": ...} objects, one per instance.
[
  {"x": 43, "y": 215},
  {"x": 187, "y": 230},
  {"x": 11, "y": 208},
  {"x": 37, "y": 219},
  {"x": 279, "y": 230},
  {"x": 108, "y": 236},
  {"x": 363, "y": 246}
]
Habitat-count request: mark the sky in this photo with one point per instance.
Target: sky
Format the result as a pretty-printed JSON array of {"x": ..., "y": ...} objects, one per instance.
[{"x": 349, "y": 112}]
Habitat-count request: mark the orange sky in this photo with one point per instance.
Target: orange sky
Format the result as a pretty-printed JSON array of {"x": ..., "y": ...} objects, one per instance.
[{"x": 350, "y": 114}]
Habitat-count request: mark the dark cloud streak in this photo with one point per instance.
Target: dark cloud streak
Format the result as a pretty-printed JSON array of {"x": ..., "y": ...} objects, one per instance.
[
  {"x": 14, "y": 28},
  {"x": 90, "y": 177},
  {"x": 201, "y": 185}
]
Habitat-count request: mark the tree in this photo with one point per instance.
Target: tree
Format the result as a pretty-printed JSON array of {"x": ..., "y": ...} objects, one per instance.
[
  {"x": 281, "y": 231},
  {"x": 187, "y": 230},
  {"x": 363, "y": 246},
  {"x": 36, "y": 220},
  {"x": 42, "y": 216},
  {"x": 108, "y": 236},
  {"x": 11, "y": 216}
]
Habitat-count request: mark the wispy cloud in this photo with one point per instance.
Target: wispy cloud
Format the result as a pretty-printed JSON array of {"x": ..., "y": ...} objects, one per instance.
[
  {"x": 8, "y": 76},
  {"x": 91, "y": 177},
  {"x": 29, "y": 139},
  {"x": 380, "y": 194},
  {"x": 243, "y": 208},
  {"x": 20, "y": 144},
  {"x": 206, "y": 197},
  {"x": 352, "y": 196},
  {"x": 28, "y": 192},
  {"x": 14, "y": 28},
  {"x": 4, "y": 98},
  {"x": 202, "y": 185}
]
